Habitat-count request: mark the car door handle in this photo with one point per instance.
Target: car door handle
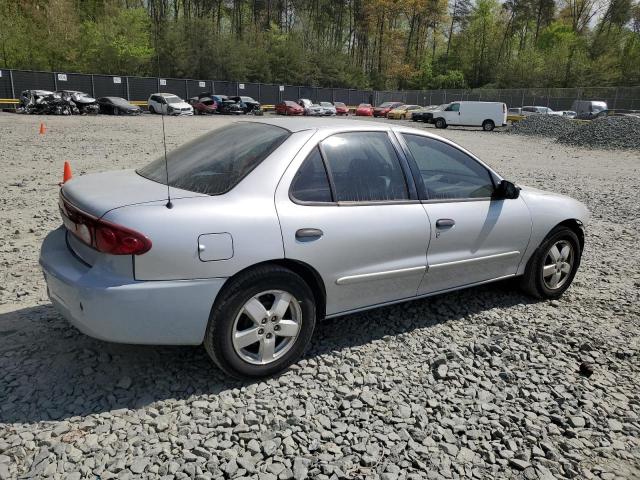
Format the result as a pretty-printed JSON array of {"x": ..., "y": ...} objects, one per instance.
[
  {"x": 308, "y": 234},
  {"x": 445, "y": 223}
]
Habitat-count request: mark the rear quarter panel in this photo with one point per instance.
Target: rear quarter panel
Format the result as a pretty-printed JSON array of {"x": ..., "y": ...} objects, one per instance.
[{"x": 247, "y": 213}]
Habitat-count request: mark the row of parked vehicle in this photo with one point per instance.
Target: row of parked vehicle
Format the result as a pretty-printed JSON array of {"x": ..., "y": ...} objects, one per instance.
[
  {"x": 73, "y": 102},
  {"x": 304, "y": 106}
]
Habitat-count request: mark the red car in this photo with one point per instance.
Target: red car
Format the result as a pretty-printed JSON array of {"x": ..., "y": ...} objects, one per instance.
[
  {"x": 382, "y": 109},
  {"x": 203, "y": 105},
  {"x": 289, "y": 108},
  {"x": 341, "y": 108},
  {"x": 364, "y": 110}
]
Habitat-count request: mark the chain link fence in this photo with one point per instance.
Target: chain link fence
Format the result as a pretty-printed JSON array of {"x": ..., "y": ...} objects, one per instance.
[{"x": 138, "y": 89}]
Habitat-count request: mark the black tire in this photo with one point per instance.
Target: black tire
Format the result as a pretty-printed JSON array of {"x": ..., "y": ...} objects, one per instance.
[
  {"x": 218, "y": 337},
  {"x": 488, "y": 125},
  {"x": 151, "y": 109},
  {"x": 532, "y": 282},
  {"x": 440, "y": 123}
]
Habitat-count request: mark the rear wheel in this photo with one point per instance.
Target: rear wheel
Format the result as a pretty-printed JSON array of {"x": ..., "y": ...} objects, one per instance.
[
  {"x": 262, "y": 323},
  {"x": 440, "y": 123},
  {"x": 553, "y": 266},
  {"x": 488, "y": 125}
]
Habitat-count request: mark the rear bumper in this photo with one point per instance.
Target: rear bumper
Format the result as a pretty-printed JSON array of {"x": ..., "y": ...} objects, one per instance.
[{"x": 117, "y": 309}]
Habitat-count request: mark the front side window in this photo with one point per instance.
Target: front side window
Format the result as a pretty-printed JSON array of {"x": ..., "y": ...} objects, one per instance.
[
  {"x": 311, "y": 183},
  {"x": 448, "y": 173},
  {"x": 454, "y": 107},
  {"x": 214, "y": 163},
  {"x": 364, "y": 167}
]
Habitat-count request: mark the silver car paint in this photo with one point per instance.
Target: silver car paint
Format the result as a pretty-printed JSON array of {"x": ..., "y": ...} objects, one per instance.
[{"x": 368, "y": 255}]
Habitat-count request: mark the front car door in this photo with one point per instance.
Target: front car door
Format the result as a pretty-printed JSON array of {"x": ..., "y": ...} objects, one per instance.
[
  {"x": 474, "y": 237},
  {"x": 348, "y": 207},
  {"x": 452, "y": 114}
]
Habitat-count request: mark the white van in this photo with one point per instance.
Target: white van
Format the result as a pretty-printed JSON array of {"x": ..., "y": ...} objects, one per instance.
[{"x": 487, "y": 115}]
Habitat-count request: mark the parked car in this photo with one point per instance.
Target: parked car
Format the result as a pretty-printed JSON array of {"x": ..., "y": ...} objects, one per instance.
[
  {"x": 310, "y": 108},
  {"x": 85, "y": 104},
  {"x": 341, "y": 108},
  {"x": 328, "y": 108},
  {"x": 254, "y": 251},
  {"x": 117, "y": 106},
  {"x": 588, "y": 109},
  {"x": 227, "y": 106},
  {"x": 203, "y": 104},
  {"x": 42, "y": 102},
  {"x": 384, "y": 108},
  {"x": 248, "y": 105},
  {"x": 168, "y": 104},
  {"x": 403, "y": 112},
  {"x": 425, "y": 114},
  {"x": 567, "y": 113},
  {"x": 364, "y": 110},
  {"x": 533, "y": 110},
  {"x": 488, "y": 115},
  {"x": 289, "y": 108}
]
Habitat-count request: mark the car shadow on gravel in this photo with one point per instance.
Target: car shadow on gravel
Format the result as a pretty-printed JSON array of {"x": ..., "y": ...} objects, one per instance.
[{"x": 50, "y": 371}]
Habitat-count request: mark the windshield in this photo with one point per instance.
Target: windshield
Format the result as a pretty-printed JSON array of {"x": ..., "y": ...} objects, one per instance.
[
  {"x": 326, "y": 104},
  {"x": 173, "y": 99},
  {"x": 214, "y": 163},
  {"x": 386, "y": 104}
]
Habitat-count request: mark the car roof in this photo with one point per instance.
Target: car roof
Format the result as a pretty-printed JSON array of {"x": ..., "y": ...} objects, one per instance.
[{"x": 310, "y": 123}]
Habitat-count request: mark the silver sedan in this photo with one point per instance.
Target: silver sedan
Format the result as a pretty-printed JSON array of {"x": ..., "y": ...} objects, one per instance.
[{"x": 258, "y": 230}]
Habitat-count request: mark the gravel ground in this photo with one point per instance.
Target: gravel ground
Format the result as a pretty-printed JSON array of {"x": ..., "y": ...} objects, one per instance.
[{"x": 483, "y": 383}]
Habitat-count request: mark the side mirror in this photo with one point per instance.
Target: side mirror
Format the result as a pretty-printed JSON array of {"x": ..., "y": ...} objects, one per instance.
[{"x": 506, "y": 190}]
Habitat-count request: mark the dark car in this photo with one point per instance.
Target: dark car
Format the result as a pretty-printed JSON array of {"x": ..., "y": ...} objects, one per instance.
[
  {"x": 341, "y": 108},
  {"x": 117, "y": 106},
  {"x": 248, "y": 105},
  {"x": 289, "y": 108},
  {"x": 227, "y": 106},
  {"x": 83, "y": 102},
  {"x": 203, "y": 105},
  {"x": 425, "y": 114},
  {"x": 384, "y": 108}
]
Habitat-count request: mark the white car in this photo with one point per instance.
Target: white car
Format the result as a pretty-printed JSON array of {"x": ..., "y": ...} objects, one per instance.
[
  {"x": 487, "y": 115},
  {"x": 310, "y": 108},
  {"x": 532, "y": 110},
  {"x": 328, "y": 108},
  {"x": 169, "y": 104}
]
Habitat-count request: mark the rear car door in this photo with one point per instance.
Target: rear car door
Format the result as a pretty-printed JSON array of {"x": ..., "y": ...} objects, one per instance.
[
  {"x": 348, "y": 207},
  {"x": 474, "y": 237}
]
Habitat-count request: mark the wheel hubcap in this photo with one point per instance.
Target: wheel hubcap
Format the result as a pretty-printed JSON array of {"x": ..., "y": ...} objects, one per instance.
[
  {"x": 266, "y": 327},
  {"x": 558, "y": 265}
]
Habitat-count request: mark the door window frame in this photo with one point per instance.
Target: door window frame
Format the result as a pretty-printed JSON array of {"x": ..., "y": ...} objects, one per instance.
[
  {"x": 417, "y": 176},
  {"x": 412, "y": 189}
]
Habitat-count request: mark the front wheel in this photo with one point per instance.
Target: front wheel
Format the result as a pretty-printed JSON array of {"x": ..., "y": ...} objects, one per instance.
[
  {"x": 554, "y": 264},
  {"x": 262, "y": 323},
  {"x": 152, "y": 109},
  {"x": 440, "y": 123}
]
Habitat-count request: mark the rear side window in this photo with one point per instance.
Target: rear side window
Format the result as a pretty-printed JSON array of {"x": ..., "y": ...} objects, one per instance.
[
  {"x": 311, "y": 183},
  {"x": 214, "y": 163},
  {"x": 448, "y": 173},
  {"x": 364, "y": 167}
]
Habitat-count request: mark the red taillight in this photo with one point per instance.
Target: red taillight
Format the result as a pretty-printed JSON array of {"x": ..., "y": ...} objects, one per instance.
[{"x": 106, "y": 237}]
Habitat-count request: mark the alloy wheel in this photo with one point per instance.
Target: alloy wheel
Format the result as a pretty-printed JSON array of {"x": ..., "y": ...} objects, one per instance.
[
  {"x": 266, "y": 327},
  {"x": 558, "y": 265}
]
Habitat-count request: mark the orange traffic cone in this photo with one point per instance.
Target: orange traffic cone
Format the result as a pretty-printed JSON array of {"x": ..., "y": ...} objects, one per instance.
[
  {"x": 67, "y": 173},
  {"x": 43, "y": 129}
]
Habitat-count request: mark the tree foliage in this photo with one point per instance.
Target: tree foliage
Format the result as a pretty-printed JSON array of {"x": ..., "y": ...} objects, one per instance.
[{"x": 381, "y": 44}]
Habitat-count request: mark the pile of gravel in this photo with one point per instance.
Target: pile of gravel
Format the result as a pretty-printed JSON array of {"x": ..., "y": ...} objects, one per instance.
[
  {"x": 605, "y": 132},
  {"x": 544, "y": 125}
]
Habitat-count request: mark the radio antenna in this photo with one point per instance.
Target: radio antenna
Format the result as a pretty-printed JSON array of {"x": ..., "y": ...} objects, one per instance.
[{"x": 164, "y": 136}]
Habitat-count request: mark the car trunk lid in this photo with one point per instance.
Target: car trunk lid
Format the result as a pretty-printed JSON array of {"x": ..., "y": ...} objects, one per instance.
[{"x": 96, "y": 194}]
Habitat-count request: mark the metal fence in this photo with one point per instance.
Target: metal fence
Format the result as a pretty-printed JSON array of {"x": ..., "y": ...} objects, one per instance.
[
  {"x": 138, "y": 89},
  {"x": 554, "y": 98}
]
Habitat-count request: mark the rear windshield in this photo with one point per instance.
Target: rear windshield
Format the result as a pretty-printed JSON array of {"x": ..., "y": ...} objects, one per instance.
[{"x": 214, "y": 163}]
